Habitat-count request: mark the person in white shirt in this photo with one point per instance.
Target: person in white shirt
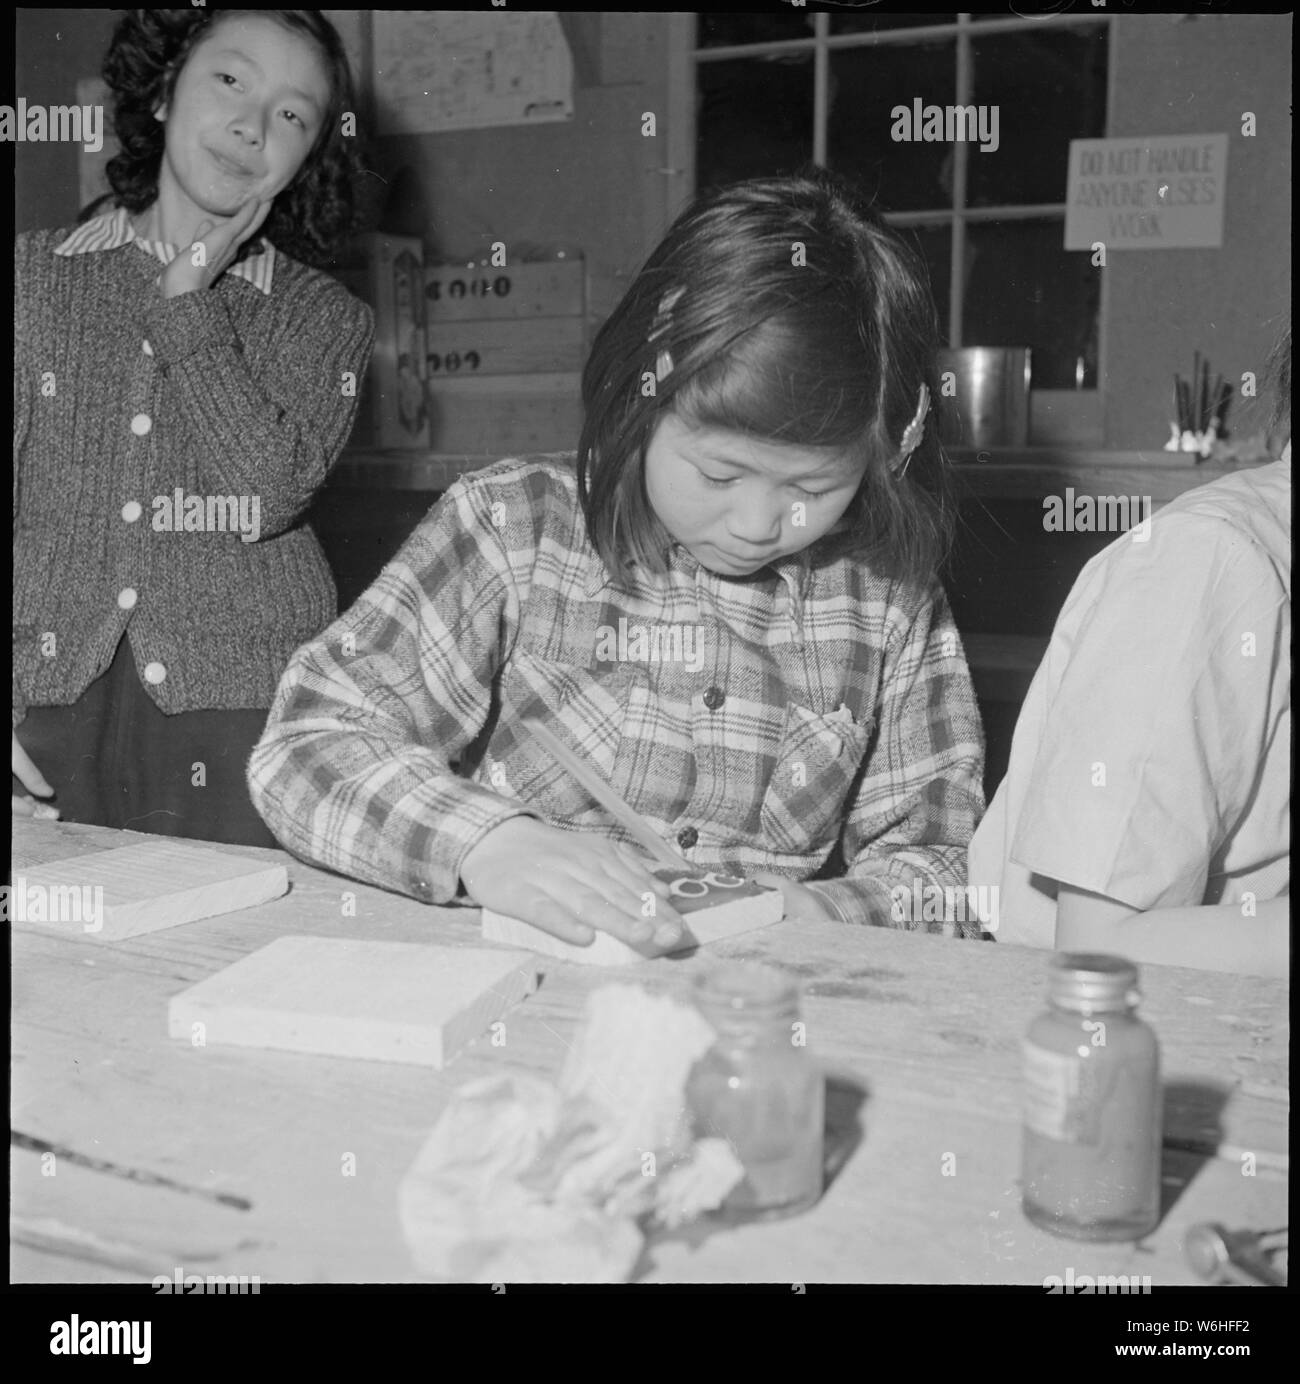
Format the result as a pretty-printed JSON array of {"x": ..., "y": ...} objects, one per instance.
[{"x": 1146, "y": 808}]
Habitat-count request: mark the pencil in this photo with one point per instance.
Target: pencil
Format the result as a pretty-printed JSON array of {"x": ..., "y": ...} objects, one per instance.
[
  {"x": 101, "y": 1165},
  {"x": 607, "y": 798}
]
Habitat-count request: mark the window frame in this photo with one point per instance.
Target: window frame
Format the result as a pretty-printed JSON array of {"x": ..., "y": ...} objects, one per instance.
[{"x": 684, "y": 54}]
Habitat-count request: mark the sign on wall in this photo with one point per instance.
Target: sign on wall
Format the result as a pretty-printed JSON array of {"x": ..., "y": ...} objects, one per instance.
[
  {"x": 1162, "y": 192},
  {"x": 460, "y": 70}
]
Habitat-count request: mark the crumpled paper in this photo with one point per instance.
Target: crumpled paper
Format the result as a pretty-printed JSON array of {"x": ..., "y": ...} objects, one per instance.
[{"x": 521, "y": 1181}]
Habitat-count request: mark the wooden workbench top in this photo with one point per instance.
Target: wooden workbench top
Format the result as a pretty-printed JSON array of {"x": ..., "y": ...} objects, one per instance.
[{"x": 920, "y": 1037}]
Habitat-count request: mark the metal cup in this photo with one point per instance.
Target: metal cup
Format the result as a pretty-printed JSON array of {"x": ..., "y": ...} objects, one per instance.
[{"x": 991, "y": 404}]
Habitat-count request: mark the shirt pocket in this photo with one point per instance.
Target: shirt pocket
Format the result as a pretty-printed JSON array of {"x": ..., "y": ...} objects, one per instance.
[
  {"x": 585, "y": 706},
  {"x": 807, "y": 797}
]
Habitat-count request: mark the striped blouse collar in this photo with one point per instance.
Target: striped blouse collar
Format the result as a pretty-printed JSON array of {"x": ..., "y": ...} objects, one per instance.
[{"x": 114, "y": 229}]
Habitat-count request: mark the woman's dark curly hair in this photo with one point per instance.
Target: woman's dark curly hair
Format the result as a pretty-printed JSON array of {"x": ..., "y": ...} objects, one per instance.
[{"x": 316, "y": 212}]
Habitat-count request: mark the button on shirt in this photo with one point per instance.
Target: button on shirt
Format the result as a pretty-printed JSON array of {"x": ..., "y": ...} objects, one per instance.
[
  {"x": 847, "y": 742},
  {"x": 1152, "y": 758}
]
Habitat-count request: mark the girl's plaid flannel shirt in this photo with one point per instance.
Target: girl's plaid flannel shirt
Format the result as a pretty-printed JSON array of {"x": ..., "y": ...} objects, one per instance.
[{"x": 815, "y": 720}]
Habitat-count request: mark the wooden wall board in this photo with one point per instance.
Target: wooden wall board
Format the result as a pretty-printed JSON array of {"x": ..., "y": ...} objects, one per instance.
[
  {"x": 539, "y": 344},
  {"x": 505, "y": 415},
  {"x": 461, "y": 293}
]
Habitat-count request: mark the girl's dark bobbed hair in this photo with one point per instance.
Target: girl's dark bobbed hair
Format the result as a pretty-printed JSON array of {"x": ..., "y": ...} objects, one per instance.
[
  {"x": 789, "y": 311},
  {"x": 312, "y": 217}
]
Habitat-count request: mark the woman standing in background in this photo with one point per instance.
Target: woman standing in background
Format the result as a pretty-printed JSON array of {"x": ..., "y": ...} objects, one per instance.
[{"x": 174, "y": 414}]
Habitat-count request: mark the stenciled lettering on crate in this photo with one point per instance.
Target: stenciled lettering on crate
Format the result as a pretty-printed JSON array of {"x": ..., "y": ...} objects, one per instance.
[{"x": 505, "y": 350}]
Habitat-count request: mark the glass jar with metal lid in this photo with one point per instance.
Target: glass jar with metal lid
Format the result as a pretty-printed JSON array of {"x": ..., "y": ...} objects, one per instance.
[{"x": 1091, "y": 1151}]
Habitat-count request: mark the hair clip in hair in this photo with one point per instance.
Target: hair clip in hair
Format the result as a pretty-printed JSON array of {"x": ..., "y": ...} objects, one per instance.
[
  {"x": 664, "y": 360},
  {"x": 913, "y": 433},
  {"x": 668, "y": 302}
]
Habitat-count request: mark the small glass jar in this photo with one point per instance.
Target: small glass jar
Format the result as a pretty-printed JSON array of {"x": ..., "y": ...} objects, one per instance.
[
  {"x": 759, "y": 1089},
  {"x": 1091, "y": 1153}
]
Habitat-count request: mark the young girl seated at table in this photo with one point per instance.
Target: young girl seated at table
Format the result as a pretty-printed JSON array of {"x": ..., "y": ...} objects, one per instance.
[
  {"x": 1146, "y": 808},
  {"x": 730, "y": 611},
  {"x": 174, "y": 412}
]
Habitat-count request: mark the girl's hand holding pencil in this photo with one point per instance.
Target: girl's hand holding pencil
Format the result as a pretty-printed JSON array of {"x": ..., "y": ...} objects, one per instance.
[{"x": 568, "y": 884}]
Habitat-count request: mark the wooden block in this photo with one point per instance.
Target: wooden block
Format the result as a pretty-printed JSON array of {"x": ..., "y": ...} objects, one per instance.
[
  {"x": 713, "y": 906},
  {"x": 501, "y": 415},
  {"x": 524, "y": 346},
  {"x": 384, "y": 1001},
  {"x": 554, "y": 288},
  {"x": 141, "y": 888}
]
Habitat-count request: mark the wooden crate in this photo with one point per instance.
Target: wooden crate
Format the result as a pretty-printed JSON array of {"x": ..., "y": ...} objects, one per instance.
[
  {"x": 519, "y": 347},
  {"x": 502, "y": 415},
  {"x": 554, "y": 288}
]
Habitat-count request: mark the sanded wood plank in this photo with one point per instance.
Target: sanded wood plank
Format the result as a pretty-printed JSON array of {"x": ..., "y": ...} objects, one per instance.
[
  {"x": 727, "y": 907},
  {"x": 386, "y": 1001},
  {"x": 141, "y": 888}
]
